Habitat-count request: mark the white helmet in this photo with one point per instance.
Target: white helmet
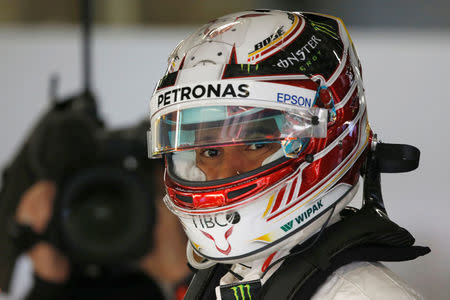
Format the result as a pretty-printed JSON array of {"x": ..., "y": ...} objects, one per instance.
[{"x": 253, "y": 77}]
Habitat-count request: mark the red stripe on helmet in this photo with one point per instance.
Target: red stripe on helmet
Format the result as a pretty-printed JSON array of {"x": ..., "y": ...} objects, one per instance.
[
  {"x": 278, "y": 200},
  {"x": 291, "y": 192}
]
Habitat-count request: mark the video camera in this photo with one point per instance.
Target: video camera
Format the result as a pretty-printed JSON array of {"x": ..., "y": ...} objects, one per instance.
[{"x": 103, "y": 210}]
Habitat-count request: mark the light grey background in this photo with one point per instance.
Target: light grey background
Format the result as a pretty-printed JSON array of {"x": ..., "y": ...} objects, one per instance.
[{"x": 407, "y": 78}]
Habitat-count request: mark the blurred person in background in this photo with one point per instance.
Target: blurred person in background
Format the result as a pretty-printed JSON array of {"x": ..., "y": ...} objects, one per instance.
[
  {"x": 261, "y": 118},
  {"x": 162, "y": 271},
  {"x": 85, "y": 203}
]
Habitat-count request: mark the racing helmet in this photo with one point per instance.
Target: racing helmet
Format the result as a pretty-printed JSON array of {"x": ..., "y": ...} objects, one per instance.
[{"x": 250, "y": 79}]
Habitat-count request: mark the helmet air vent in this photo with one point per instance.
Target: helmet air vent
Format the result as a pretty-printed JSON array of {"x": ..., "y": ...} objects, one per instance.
[
  {"x": 183, "y": 198},
  {"x": 237, "y": 193}
]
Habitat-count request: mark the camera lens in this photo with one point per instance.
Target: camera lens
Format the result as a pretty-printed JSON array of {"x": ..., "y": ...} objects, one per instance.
[
  {"x": 99, "y": 214},
  {"x": 106, "y": 216}
]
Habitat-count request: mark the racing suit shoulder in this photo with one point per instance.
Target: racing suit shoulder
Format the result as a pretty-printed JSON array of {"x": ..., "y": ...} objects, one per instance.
[{"x": 365, "y": 280}]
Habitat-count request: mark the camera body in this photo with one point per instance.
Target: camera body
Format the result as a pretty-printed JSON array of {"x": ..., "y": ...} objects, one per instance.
[{"x": 103, "y": 211}]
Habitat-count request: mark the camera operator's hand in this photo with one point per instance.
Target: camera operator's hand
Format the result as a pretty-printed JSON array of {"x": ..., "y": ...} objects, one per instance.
[
  {"x": 35, "y": 209},
  {"x": 167, "y": 260}
]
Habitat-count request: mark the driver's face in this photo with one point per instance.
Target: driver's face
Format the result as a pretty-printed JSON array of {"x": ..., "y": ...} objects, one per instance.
[{"x": 223, "y": 162}]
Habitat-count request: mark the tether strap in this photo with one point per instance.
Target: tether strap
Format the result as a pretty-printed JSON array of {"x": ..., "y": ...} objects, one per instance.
[{"x": 204, "y": 283}]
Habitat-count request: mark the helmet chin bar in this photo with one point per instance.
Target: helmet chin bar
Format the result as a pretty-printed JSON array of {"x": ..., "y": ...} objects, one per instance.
[{"x": 386, "y": 158}]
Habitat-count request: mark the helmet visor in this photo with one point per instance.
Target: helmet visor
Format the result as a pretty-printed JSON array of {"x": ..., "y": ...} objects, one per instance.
[{"x": 211, "y": 126}]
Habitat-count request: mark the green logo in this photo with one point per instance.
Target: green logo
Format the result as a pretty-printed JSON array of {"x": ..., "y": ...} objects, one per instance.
[
  {"x": 325, "y": 28},
  {"x": 303, "y": 217},
  {"x": 241, "y": 290},
  {"x": 288, "y": 226}
]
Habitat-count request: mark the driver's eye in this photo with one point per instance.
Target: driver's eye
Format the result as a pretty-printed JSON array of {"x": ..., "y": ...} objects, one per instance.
[
  {"x": 210, "y": 153},
  {"x": 255, "y": 146}
]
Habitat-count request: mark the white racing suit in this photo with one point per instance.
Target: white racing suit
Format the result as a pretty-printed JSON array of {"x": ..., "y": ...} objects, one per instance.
[
  {"x": 365, "y": 280},
  {"x": 357, "y": 280}
]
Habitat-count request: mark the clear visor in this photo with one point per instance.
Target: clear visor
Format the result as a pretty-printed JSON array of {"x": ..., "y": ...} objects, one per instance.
[{"x": 212, "y": 126}]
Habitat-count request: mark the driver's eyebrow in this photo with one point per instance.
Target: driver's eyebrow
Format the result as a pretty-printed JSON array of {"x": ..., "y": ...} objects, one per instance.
[
  {"x": 249, "y": 130},
  {"x": 208, "y": 134},
  {"x": 266, "y": 129}
]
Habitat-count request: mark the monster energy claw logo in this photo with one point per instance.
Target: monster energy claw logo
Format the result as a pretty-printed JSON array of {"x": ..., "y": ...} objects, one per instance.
[
  {"x": 241, "y": 288},
  {"x": 246, "y": 290},
  {"x": 325, "y": 28}
]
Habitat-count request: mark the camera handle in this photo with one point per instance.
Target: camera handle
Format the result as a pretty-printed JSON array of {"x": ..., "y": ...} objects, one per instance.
[{"x": 23, "y": 236}]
